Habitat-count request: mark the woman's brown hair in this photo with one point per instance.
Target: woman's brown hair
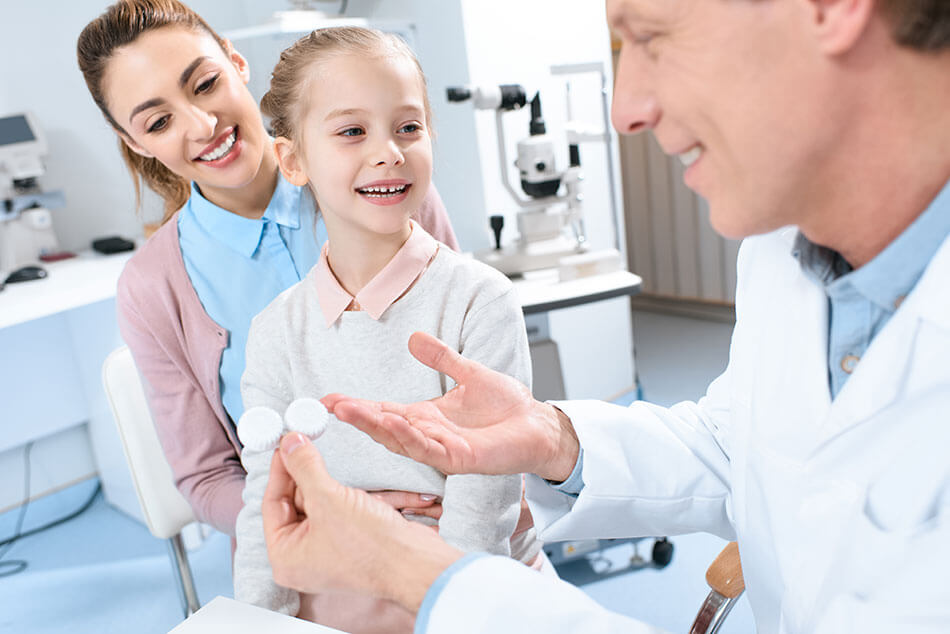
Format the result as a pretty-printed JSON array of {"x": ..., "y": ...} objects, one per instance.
[{"x": 121, "y": 24}]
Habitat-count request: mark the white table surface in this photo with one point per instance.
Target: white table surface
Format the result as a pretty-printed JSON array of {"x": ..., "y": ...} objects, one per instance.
[
  {"x": 88, "y": 278},
  {"x": 227, "y": 616},
  {"x": 541, "y": 291}
]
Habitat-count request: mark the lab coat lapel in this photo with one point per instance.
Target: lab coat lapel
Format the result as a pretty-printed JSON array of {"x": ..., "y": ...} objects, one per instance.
[{"x": 882, "y": 374}]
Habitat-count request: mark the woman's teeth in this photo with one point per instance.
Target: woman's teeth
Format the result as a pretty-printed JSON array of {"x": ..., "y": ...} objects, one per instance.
[
  {"x": 382, "y": 192},
  {"x": 222, "y": 149}
]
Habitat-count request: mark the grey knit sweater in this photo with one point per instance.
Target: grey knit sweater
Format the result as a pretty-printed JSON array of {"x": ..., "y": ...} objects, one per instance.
[{"x": 291, "y": 354}]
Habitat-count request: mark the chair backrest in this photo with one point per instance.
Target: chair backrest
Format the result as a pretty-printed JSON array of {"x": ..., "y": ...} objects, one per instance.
[{"x": 166, "y": 511}]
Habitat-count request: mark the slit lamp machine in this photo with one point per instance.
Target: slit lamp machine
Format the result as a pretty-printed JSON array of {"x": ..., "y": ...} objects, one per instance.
[{"x": 550, "y": 218}]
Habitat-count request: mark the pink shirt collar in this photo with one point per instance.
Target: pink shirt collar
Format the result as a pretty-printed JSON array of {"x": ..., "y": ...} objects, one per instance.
[{"x": 410, "y": 261}]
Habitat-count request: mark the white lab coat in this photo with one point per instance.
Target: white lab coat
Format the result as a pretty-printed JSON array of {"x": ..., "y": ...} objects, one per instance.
[{"x": 841, "y": 509}]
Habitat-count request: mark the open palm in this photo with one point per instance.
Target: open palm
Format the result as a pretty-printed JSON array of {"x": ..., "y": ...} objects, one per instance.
[{"x": 489, "y": 423}]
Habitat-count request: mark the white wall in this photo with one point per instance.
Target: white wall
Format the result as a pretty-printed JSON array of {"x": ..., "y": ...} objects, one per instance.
[{"x": 458, "y": 42}]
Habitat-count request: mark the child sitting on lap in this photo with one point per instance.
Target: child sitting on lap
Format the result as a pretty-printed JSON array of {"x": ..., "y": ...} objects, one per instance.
[{"x": 351, "y": 116}]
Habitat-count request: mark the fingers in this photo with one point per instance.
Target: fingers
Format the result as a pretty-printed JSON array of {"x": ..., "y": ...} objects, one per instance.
[
  {"x": 304, "y": 465},
  {"x": 277, "y": 506},
  {"x": 411, "y": 504},
  {"x": 435, "y": 354}
]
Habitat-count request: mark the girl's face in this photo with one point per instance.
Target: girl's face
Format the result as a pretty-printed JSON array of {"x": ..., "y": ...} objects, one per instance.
[
  {"x": 364, "y": 143},
  {"x": 183, "y": 100}
]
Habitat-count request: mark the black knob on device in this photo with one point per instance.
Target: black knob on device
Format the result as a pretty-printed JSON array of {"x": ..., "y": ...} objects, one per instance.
[{"x": 497, "y": 222}]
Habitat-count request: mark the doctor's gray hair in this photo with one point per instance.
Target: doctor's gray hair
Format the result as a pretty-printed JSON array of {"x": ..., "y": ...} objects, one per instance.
[{"x": 286, "y": 101}]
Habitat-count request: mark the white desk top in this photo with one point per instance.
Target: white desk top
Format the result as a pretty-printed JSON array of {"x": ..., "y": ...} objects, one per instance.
[
  {"x": 85, "y": 279},
  {"x": 540, "y": 291},
  {"x": 227, "y": 616}
]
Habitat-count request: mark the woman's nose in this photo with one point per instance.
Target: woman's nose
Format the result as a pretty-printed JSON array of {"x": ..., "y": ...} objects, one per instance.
[
  {"x": 202, "y": 124},
  {"x": 634, "y": 107},
  {"x": 387, "y": 152}
]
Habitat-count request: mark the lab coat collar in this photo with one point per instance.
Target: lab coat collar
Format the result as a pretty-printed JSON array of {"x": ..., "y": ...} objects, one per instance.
[{"x": 879, "y": 378}]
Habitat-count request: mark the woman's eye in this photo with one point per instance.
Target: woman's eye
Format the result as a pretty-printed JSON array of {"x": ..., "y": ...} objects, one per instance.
[
  {"x": 159, "y": 124},
  {"x": 207, "y": 85},
  {"x": 352, "y": 132},
  {"x": 410, "y": 128}
]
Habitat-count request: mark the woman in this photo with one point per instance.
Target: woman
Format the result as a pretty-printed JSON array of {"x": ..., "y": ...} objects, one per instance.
[{"x": 234, "y": 235}]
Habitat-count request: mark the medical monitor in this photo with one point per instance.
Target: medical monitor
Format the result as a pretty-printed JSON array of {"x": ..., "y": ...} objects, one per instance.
[{"x": 22, "y": 144}]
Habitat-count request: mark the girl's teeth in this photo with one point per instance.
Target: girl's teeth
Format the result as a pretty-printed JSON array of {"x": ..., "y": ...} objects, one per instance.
[
  {"x": 222, "y": 149},
  {"x": 383, "y": 191}
]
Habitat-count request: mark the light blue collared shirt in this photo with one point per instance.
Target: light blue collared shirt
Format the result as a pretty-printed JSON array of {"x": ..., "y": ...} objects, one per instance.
[
  {"x": 238, "y": 265},
  {"x": 862, "y": 301}
]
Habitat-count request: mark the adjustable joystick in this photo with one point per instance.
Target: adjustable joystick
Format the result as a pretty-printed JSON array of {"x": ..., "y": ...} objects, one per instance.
[{"x": 497, "y": 222}]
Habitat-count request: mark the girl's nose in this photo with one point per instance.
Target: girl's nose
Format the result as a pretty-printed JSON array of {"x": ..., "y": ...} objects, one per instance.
[{"x": 387, "y": 153}]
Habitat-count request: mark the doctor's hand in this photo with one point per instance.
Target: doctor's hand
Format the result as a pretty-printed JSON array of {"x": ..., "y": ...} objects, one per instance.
[
  {"x": 489, "y": 423},
  {"x": 322, "y": 535}
]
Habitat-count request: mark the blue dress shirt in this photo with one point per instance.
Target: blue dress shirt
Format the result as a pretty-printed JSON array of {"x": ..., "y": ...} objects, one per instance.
[
  {"x": 862, "y": 301},
  {"x": 239, "y": 265}
]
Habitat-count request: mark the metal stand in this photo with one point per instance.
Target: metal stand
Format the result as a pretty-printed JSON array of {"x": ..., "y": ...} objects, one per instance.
[{"x": 186, "y": 583}]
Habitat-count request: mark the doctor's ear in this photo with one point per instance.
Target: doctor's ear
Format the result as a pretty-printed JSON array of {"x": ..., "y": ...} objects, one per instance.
[
  {"x": 839, "y": 24},
  {"x": 290, "y": 162}
]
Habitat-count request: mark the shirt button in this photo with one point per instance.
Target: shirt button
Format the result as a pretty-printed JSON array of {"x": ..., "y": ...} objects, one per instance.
[
  {"x": 899, "y": 301},
  {"x": 849, "y": 363}
]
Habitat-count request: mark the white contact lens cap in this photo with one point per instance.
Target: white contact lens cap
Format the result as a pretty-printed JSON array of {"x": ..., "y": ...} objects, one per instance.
[
  {"x": 308, "y": 416},
  {"x": 260, "y": 429}
]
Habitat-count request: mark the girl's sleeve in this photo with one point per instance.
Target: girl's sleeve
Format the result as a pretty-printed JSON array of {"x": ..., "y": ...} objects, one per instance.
[
  {"x": 265, "y": 383},
  {"x": 479, "y": 512},
  {"x": 435, "y": 219},
  {"x": 206, "y": 467}
]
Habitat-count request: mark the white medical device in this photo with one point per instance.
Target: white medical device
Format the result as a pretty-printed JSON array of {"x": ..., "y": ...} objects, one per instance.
[
  {"x": 551, "y": 232},
  {"x": 26, "y": 224}
]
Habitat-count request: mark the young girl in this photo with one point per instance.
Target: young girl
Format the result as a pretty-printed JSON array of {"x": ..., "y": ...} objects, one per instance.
[
  {"x": 351, "y": 115},
  {"x": 234, "y": 235}
]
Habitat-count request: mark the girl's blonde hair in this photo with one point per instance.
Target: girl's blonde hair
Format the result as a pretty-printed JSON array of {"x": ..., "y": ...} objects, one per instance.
[
  {"x": 286, "y": 101},
  {"x": 120, "y": 25}
]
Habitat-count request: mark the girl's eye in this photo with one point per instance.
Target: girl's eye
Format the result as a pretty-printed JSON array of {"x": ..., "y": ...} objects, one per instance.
[
  {"x": 159, "y": 124},
  {"x": 410, "y": 128},
  {"x": 352, "y": 132},
  {"x": 207, "y": 85}
]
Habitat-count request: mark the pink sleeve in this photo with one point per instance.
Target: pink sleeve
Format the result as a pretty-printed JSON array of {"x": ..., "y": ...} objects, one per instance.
[
  {"x": 435, "y": 219},
  {"x": 207, "y": 469}
]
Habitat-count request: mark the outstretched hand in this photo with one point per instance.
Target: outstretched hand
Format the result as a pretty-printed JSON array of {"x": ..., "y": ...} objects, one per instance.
[
  {"x": 489, "y": 423},
  {"x": 324, "y": 536}
]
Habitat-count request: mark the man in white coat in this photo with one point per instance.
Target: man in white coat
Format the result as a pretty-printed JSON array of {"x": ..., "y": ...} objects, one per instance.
[{"x": 821, "y": 128}]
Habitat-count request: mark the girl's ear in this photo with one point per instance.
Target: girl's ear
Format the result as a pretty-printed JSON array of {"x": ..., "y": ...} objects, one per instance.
[
  {"x": 135, "y": 147},
  {"x": 238, "y": 61},
  {"x": 290, "y": 162}
]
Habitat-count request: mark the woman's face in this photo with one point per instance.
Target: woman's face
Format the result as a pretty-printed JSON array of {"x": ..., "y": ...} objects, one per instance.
[{"x": 182, "y": 99}]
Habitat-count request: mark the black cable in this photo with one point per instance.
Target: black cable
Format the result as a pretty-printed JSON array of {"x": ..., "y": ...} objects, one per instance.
[
  {"x": 18, "y": 565},
  {"x": 15, "y": 566}
]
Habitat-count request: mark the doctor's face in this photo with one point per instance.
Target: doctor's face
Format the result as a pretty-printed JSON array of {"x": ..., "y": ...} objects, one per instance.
[
  {"x": 734, "y": 89},
  {"x": 183, "y": 100}
]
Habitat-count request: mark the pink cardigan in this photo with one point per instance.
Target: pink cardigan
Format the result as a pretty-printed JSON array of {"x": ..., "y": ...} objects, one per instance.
[{"x": 177, "y": 348}]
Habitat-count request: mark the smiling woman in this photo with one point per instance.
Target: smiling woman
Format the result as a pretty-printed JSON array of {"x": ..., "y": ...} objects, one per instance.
[{"x": 235, "y": 234}]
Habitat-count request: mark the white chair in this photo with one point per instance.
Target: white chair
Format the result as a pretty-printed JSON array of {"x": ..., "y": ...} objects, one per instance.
[{"x": 166, "y": 511}]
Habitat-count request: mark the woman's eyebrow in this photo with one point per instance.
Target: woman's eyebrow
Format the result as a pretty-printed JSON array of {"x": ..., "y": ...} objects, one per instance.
[
  {"x": 186, "y": 74},
  {"x": 145, "y": 105},
  {"x": 182, "y": 80}
]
